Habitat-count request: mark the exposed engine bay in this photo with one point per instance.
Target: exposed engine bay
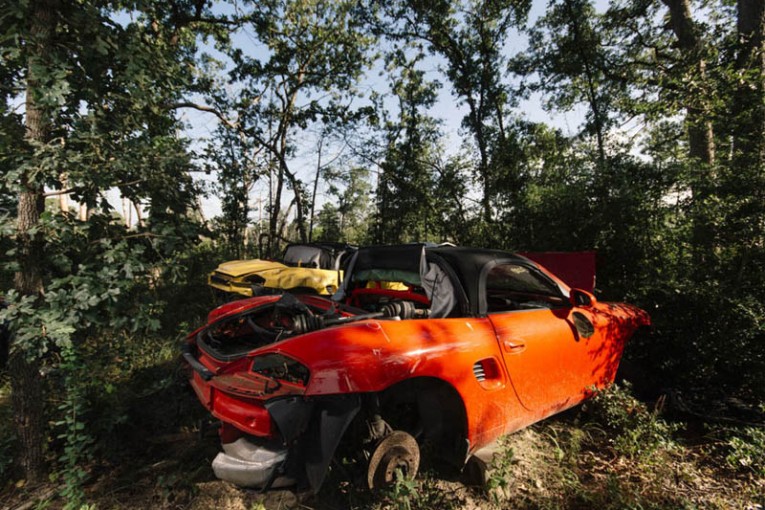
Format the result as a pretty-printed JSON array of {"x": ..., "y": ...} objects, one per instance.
[{"x": 235, "y": 336}]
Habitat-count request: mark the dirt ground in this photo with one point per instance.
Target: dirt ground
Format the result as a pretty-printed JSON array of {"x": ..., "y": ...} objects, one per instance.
[
  {"x": 531, "y": 470},
  {"x": 161, "y": 460}
]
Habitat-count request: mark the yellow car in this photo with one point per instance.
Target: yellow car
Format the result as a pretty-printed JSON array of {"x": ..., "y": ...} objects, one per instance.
[{"x": 304, "y": 268}]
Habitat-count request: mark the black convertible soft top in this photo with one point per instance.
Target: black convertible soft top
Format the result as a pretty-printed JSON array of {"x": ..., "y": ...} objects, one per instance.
[
  {"x": 468, "y": 264},
  {"x": 449, "y": 274}
]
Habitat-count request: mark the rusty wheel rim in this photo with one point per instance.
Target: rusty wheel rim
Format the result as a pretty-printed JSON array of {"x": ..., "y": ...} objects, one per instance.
[{"x": 396, "y": 453}]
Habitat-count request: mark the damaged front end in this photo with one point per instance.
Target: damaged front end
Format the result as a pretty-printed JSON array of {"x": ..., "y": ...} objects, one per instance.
[
  {"x": 272, "y": 434},
  {"x": 307, "y": 434}
]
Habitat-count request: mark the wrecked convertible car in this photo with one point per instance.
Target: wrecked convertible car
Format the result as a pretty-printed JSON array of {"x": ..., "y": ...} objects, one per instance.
[
  {"x": 313, "y": 268},
  {"x": 467, "y": 345}
]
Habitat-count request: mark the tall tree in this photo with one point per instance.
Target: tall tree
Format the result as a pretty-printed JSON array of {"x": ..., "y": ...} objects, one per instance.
[
  {"x": 24, "y": 370},
  {"x": 692, "y": 49},
  {"x": 750, "y": 101},
  {"x": 568, "y": 61},
  {"x": 470, "y": 36},
  {"x": 95, "y": 92},
  {"x": 405, "y": 187},
  {"x": 317, "y": 51},
  {"x": 669, "y": 62},
  {"x": 350, "y": 192}
]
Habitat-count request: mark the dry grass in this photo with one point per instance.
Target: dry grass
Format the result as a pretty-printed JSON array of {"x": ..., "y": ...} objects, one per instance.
[{"x": 568, "y": 462}]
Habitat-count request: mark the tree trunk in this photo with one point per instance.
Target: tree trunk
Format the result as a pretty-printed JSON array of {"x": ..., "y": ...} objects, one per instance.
[
  {"x": 139, "y": 214},
  {"x": 476, "y": 124},
  {"x": 28, "y": 412},
  {"x": 276, "y": 205},
  {"x": 749, "y": 126},
  {"x": 26, "y": 385},
  {"x": 750, "y": 121},
  {"x": 698, "y": 118},
  {"x": 299, "y": 205},
  {"x": 126, "y": 207},
  {"x": 315, "y": 189},
  {"x": 698, "y": 121},
  {"x": 63, "y": 198}
]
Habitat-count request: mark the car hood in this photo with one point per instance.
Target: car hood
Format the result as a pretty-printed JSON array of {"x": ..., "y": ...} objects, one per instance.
[{"x": 237, "y": 268}]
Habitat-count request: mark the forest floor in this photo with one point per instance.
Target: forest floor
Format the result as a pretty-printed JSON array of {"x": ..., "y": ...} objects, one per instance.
[{"x": 613, "y": 454}]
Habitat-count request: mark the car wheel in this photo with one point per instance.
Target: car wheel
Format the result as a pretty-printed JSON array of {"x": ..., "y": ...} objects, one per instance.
[{"x": 396, "y": 455}]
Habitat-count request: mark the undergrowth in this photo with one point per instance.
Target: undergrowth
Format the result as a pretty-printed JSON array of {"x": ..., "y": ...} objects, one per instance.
[
  {"x": 635, "y": 431},
  {"x": 423, "y": 493},
  {"x": 613, "y": 453},
  {"x": 616, "y": 452},
  {"x": 746, "y": 450}
]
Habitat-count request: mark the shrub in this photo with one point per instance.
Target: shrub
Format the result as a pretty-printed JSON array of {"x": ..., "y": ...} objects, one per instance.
[
  {"x": 638, "y": 430},
  {"x": 747, "y": 450}
]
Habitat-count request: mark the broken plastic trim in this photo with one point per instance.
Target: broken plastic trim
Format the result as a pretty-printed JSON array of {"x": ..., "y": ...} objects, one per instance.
[
  {"x": 313, "y": 428},
  {"x": 281, "y": 368},
  {"x": 194, "y": 363}
]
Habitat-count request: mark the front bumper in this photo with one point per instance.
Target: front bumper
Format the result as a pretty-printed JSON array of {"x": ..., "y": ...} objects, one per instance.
[
  {"x": 246, "y": 414},
  {"x": 312, "y": 428},
  {"x": 258, "y": 424},
  {"x": 247, "y": 464},
  {"x": 228, "y": 286}
]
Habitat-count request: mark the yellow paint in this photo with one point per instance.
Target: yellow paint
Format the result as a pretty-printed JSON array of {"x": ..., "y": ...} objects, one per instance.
[{"x": 232, "y": 277}]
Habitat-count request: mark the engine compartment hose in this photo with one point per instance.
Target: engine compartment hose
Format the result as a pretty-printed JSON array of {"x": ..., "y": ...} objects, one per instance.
[
  {"x": 305, "y": 323},
  {"x": 403, "y": 309}
]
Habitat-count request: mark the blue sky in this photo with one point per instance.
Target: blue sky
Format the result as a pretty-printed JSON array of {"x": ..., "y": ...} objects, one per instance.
[{"x": 201, "y": 125}]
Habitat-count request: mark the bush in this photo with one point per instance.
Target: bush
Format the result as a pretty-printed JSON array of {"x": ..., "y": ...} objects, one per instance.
[
  {"x": 638, "y": 431},
  {"x": 747, "y": 450}
]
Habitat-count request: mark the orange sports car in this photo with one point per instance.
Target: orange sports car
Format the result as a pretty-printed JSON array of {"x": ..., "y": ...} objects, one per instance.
[{"x": 434, "y": 349}]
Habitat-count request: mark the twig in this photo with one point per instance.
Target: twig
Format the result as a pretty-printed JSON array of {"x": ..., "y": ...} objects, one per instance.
[
  {"x": 33, "y": 502},
  {"x": 78, "y": 188}
]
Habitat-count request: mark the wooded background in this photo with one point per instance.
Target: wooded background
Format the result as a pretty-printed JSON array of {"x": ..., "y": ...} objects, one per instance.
[{"x": 665, "y": 176}]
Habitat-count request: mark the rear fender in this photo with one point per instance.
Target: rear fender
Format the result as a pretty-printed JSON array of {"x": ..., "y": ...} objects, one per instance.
[{"x": 431, "y": 410}]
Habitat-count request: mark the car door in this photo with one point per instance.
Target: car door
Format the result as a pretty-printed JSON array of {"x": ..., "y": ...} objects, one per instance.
[{"x": 545, "y": 356}]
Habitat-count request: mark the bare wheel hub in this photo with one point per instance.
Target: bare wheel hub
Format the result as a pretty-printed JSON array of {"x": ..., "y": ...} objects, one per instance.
[{"x": 396, "y": 453}]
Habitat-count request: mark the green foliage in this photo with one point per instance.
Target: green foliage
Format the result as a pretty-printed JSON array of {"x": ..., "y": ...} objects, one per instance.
[
  {"x": 77, "y": 441},
  {"x": 418, "y": 192},
  {"x": 348, "y": 221},
  {"x": 420, "y": 494},
  {"x": 637, "y": 431},
  {"x": 747, "y": 450},
  {"x": 470, "y": 37},
  {"x": 676, "y": 218},
  {"x": 96, "y": 273},
  {"x": 317, "y": 51},
  {"x": 104, "y": 285},
  {"x": 500, "y": 473},
  {"x": 402, "y": 492}
]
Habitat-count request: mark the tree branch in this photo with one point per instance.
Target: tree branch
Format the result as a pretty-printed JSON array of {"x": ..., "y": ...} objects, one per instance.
[
  {"x": 204, "y": 108},
  {"x": 59, "y": 192}
]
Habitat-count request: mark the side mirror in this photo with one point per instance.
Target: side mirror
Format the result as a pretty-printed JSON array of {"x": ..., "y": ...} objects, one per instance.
[{"x": 579, "y": 297}]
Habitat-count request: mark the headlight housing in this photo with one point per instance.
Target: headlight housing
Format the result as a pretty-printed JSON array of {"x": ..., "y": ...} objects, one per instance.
[
  {"x": 282, "y": 368},
  {"x": 254, "y": 279}
]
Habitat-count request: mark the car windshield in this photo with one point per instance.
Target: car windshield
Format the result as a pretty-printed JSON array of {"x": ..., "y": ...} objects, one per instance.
[
  {"x": 518, "y": 278},
  {"x": 387, "y": 275},
  {"x": 307, "y": 256}
]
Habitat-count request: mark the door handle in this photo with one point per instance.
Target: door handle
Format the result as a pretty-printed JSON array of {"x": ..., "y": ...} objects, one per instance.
[{"x": 513, "y": 346}]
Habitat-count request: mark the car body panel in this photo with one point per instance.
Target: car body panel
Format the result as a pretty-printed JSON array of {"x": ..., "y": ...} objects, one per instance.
[{"x": 230, "y": 277}]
